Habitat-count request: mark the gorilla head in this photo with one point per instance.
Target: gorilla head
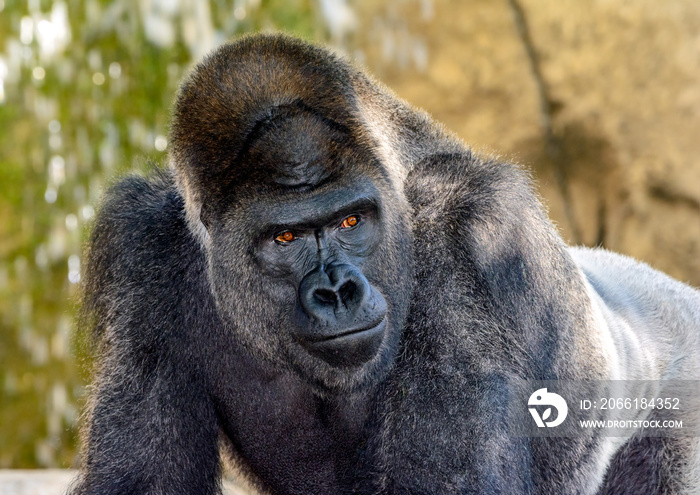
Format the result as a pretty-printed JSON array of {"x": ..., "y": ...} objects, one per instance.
[{"x": 299, "y": 220}]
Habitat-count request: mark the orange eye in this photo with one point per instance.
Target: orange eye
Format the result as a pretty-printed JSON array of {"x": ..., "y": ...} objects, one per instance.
[
  {"x": 287, "y": 236},
  {"x": 351, "y": 221}
]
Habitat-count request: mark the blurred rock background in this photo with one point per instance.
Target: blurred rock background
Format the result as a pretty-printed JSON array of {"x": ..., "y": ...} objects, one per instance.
[{"x": 600, "y": 99}]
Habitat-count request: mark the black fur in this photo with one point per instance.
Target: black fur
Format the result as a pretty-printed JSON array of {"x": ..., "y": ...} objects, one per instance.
[{"x": 196, "y": 310}]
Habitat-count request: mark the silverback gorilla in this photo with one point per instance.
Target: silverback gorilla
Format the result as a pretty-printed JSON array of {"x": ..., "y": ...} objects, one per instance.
[{"x": 334, "y": 293}]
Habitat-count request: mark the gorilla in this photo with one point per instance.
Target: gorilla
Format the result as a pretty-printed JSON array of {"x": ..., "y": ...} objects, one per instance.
[{"x": 332, "y": 294}]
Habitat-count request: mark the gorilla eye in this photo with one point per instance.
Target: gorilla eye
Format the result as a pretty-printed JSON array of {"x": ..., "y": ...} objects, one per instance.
[
  {"x": 285, "y": 237},
  {"x": 350, "y": 221}
]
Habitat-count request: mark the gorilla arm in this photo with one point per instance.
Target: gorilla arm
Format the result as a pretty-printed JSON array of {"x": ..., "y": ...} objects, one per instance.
[{"x": 152, "y": 428}]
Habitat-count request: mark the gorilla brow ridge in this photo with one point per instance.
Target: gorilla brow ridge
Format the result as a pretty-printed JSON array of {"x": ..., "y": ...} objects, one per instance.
[{"x": 361, "y": 205}]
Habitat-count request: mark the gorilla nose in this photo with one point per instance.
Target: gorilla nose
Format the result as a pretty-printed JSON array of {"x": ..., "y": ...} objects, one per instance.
[
  {"x": 330, "y": 294},
  {"x": 343, "y": 297},
  {"x": 346, "y": 316}
]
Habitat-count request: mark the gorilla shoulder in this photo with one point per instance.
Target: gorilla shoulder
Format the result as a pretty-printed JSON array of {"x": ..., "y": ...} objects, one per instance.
[{"x": 139, "y": 241}]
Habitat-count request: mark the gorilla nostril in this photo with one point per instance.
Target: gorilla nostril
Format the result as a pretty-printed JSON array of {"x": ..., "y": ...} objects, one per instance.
[
  {"x": 347, "y": 291},
  {"x": 325, "y": 296}
]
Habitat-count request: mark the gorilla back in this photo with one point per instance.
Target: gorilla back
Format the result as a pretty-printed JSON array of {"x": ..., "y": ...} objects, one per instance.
[{"x": 337, "y": 294}]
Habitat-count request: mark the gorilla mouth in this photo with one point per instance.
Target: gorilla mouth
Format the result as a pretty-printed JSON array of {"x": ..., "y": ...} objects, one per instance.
[
  {"x": 351, "y": 333},
  {"x": 349, "y": 349}
]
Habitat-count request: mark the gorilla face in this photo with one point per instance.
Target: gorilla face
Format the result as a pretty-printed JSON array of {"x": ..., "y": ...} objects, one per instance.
[
  {"x": 320, "y": 249},
  {"x": 301, "y": 245}
]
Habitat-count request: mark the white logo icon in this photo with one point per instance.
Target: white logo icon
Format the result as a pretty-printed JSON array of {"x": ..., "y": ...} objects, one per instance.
[{"x": 543, "y": 398}]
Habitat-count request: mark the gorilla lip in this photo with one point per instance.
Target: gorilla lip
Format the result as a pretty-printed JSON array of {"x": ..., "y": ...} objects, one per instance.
[
  {"x": 351, "y": 349},
  {"x": 353, "y": 333}
]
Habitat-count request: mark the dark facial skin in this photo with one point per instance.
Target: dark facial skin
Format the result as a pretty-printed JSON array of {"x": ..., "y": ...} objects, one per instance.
[
  {"x": 319, "y": 247},
  {"x": 313, "y": 234}
]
